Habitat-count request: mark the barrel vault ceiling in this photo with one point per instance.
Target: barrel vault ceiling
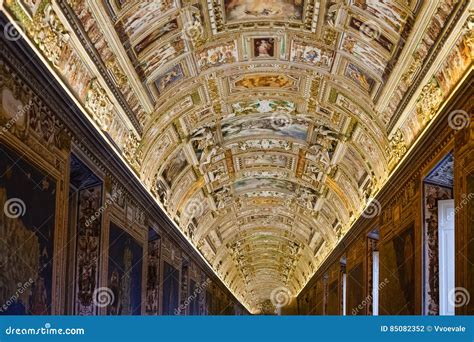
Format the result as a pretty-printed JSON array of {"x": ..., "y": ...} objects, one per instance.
[{"x": 264, "y": 128}]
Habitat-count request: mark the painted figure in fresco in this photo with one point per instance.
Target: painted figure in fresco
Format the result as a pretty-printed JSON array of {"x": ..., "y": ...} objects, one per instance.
[
  {"x": 323, "y": 147},
  {"x": 264, "y": 48},
  {"x": 216, "y": 56},
  {"x": 359, "y": 77},
  {"x": 170, "y": 77},
  {"x": 162, "y": 192},
  {"x": 307, "y": 197},
  {"x": 304, "y": 53},
  {"x": 205, "y": 146}
]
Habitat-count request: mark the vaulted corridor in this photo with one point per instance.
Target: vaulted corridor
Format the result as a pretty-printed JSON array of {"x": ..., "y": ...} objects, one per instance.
[{"x": 235, "y": 157}]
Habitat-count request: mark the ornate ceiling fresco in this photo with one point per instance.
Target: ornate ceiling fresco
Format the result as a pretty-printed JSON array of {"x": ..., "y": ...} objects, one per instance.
[{"x": 264, "y": 128}]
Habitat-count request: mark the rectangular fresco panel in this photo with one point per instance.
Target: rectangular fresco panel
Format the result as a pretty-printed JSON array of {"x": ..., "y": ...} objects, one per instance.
[
  {"x": 238, "y": 10},
  {"x": 249, "y": 184},
  {"x": 379, "y": 38},
  {"x": 372, "y": 59},
  {"x": 218, "y": 55},
  {"x": 302, "y": 52},
  {"x": 125, "y": 272},
  {"x": 264, "y": 125},
  {"x": 27, "y": 221},
  {"x": 385, "y": 10},
  {"x": 155, "y": 36}
]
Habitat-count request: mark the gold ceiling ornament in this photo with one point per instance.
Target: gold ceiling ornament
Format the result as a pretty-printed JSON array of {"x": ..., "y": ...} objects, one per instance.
[
  {"x": 265, "y": 110},
  {"x": 49, "y": 34},
  {"x": 429, "y": 101},
  {"x": 116, "y": 72},
  {"x": 397, "y": 147},
  {"x": 131, "y": 150},
  {"x": 99, "y": 105}
]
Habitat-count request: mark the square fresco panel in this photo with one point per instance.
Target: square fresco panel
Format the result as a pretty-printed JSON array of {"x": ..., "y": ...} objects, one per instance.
[
  {"x": 27, "y": 234},
  {"x": 169, "y": 78},
  {"x": 264, "y": 47},
  {"x": 359, "y": 76},
  {"x": 125, "y": 272}
]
